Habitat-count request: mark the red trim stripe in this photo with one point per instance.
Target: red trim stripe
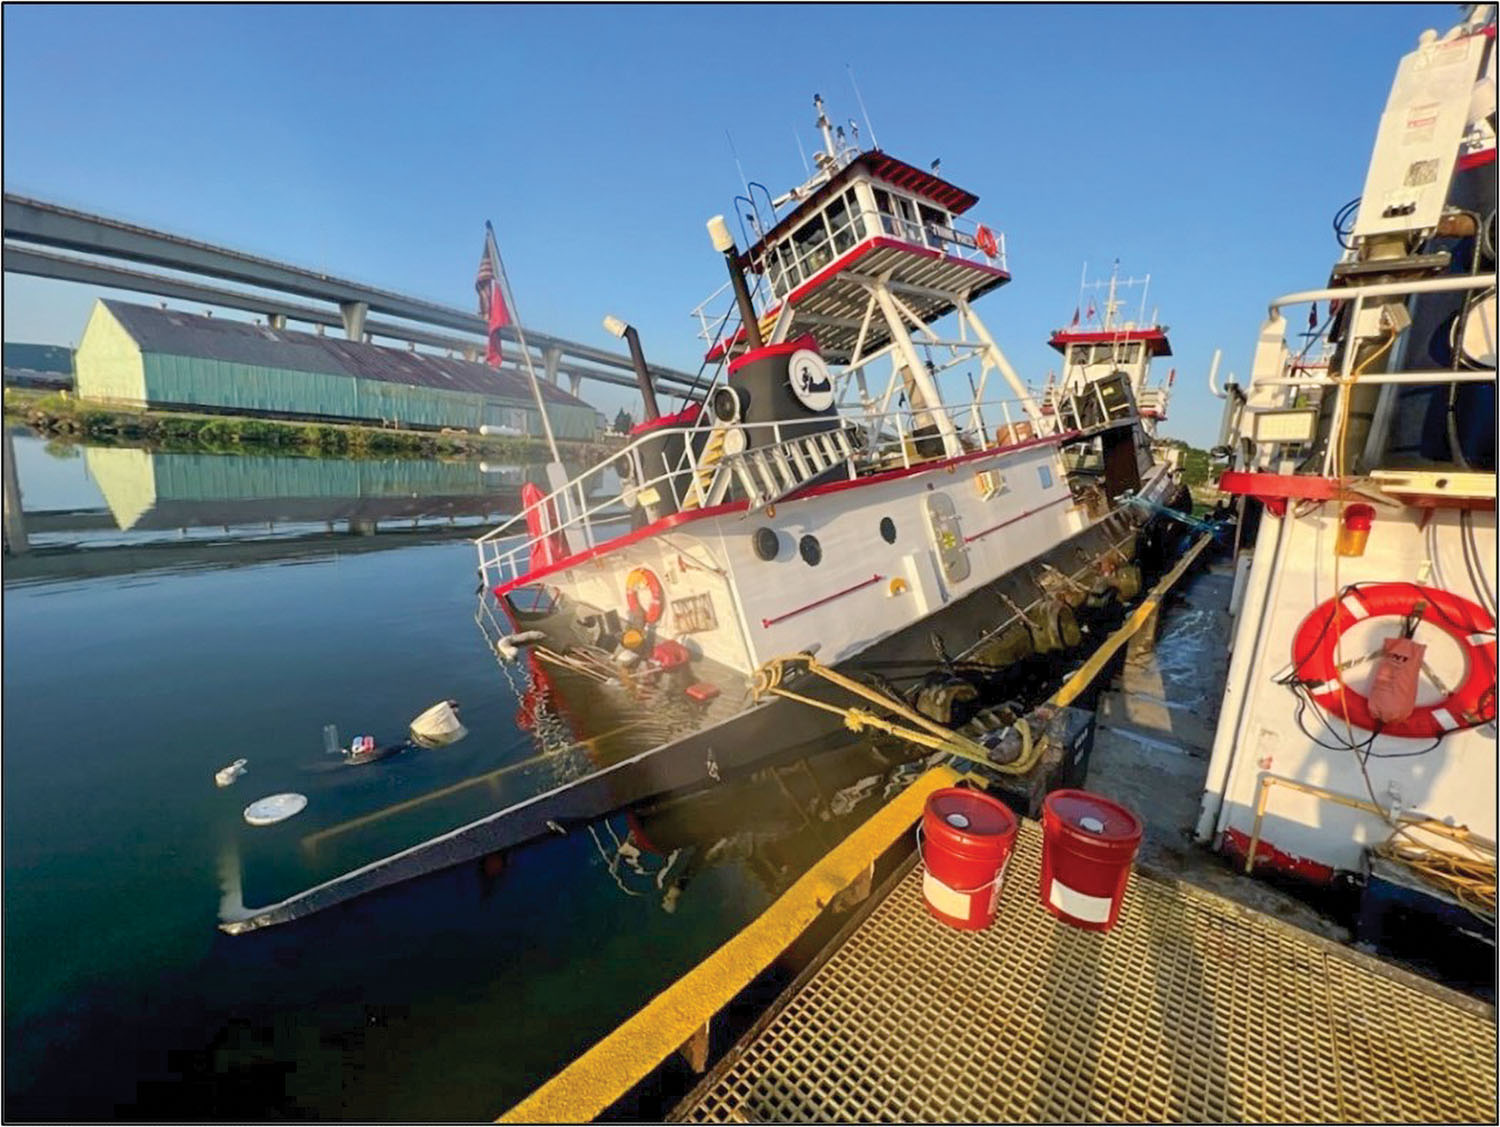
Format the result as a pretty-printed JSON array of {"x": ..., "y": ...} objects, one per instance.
[
  {"x": 767, "y": 623},
  {"x": 675, "y": 519},
  {"x": 843, "y": 262},
  {"x": 1012, "y": 520},
  {"x": 1475, "y": 160},
  {"x": 879, "y": 242}
]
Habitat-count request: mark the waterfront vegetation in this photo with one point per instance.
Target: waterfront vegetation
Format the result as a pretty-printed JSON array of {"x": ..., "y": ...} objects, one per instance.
[{"x": 60, "y": 415}]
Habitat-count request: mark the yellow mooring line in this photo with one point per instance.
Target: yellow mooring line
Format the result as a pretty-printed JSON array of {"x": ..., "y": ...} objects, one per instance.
[
  {"x": 625, "y": 1057},
  {"x": 1075, "y": 685}
]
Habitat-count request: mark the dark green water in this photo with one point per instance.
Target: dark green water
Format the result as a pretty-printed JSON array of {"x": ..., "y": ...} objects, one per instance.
[{"x": 131, "y": 674}]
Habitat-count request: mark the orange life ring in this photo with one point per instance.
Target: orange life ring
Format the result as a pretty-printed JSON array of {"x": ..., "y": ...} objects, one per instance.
[
  {"x": 643, "y": 578},
  {"x": 984, "y": 239},
  {"x": 1470, "y": 704}
]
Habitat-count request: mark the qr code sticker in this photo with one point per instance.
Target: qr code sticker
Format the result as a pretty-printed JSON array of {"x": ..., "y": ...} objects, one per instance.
[{"x": 1421, "y": 172}]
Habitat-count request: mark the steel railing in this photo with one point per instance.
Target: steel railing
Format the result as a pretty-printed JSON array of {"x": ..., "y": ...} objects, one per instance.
[
  {"x": 792, "y": 265},
  {"x": 1278, "y": 376},
  {"x": 589, "y": 500}
]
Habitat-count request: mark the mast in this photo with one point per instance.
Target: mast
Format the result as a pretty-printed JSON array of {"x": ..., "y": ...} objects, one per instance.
[{"x": 510, "y": 303}]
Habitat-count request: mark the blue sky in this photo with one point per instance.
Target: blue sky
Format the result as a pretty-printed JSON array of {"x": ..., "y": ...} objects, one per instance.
[{"x": 1207, "y": 146}]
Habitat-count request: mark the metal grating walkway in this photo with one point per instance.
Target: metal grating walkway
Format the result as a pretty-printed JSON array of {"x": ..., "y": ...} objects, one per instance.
[{"x": 1191, "y": 1009}]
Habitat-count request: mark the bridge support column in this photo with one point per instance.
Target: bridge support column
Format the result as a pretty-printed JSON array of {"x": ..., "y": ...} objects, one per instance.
[
  {"x": 277, "y": 321},
  {"x": 575, "y": 383},
  {"x": 361, "y": 527},
  {"x": 354, "y": 318},
  {"x": 16, "y": 540},
  {"x": 550, "y": 359}
]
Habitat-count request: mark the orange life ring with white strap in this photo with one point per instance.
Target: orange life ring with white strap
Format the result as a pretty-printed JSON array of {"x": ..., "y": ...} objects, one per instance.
[
  {"x": 984, "y": 239},
  {"x": 644, "y": 579},
  {"x": 1316, "y": 643}
]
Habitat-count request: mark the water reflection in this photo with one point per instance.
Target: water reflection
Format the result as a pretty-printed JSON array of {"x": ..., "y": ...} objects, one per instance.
[
  {"x": 150, "y": 491},
  {"x": 83, "y": 510},
  {"x": 443, "y": 997}
]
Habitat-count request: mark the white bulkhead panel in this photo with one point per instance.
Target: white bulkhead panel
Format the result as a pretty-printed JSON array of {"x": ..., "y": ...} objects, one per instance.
[
  {"x": 1277, "y": 732},
  {"x": 855, "y": 564}
]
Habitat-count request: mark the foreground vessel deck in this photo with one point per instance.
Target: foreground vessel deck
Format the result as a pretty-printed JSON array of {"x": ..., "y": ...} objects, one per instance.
[{"x": 1193, "y": 1008}]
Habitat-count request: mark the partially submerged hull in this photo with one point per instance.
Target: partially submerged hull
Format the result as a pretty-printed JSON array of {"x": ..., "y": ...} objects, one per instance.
[{"x": 727, "y": 739}]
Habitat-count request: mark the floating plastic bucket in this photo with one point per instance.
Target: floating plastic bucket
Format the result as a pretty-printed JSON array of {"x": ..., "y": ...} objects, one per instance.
[
  {"x": 968, "y": 839},
  {"x": 1088, "y": 845}
]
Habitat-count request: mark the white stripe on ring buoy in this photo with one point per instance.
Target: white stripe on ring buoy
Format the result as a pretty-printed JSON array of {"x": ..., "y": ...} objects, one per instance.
[
  {"x": 1354, "y": 606},
  {"x": 1445, "y": 718}
]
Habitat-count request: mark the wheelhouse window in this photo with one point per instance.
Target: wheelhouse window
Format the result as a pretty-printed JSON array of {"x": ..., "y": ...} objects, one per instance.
[
  {"x": 844, "y": 220},
  {"x": 935, "y": 226},
  {"x": 810, "y": 243}
]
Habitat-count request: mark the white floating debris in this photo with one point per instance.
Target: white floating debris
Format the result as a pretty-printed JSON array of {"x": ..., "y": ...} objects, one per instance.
[
  {"x": 227, "y": 775},
  {"x": 439, "y": 726},
  {"x": 275, "y": 808},
  {"x": 509, "y": 647}
]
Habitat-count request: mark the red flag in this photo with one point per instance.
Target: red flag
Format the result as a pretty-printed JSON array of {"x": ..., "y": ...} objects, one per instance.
[
  {"x": 491, "y": 306},
  {"x": 1092, "y": 311},
  {"x": 483, "y": 280},
  {"x": 1075, "y": 316},
  {"x": 498, "y": 317}
]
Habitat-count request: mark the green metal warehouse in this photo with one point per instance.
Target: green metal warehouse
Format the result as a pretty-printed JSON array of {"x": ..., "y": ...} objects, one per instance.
[{"x": 161, "y": 358}]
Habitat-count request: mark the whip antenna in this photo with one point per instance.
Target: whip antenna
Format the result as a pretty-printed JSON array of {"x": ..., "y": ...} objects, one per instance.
[{"x": 858, "y": 97}]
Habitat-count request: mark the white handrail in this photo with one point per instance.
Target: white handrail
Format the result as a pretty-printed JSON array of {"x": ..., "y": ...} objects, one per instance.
[
  {"x": 504, "y": 552},
  {"x": 794, "y": 265},
  {"x": 1385, "y": 289}
]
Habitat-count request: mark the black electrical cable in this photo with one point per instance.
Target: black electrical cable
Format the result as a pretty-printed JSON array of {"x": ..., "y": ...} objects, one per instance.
[
  {"x": 1341, "y": 217},
  {"x": 1301, "y": 689}
]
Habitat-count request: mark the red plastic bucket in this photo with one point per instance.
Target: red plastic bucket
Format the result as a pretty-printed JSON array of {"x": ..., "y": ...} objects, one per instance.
[
  {"x": 1088, "y": 845},
  {"x": 968, "y": 839}
]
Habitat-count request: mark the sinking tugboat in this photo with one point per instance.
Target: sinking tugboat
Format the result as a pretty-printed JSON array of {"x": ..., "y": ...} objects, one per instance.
[{"x": 822, "y": 494}]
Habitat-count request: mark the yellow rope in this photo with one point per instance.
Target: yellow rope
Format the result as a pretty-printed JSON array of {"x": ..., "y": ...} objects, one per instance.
[
  {"x": 1346, "y": 397},
  {"x": 1469, "y": 879}
]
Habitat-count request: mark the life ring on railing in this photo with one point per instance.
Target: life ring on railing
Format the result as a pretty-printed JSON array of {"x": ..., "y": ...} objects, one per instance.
[
  {"x": 984, "y": 239},
  {"x": 644, "y": 579},
  {"x": 1316, "y": 643}
]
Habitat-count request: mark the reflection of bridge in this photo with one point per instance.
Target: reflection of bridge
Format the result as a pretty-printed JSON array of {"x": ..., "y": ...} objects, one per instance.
[
  {"x": 407, "y": 501},
  {"x": 347, "y": 304},
  {"x": 151, "y": 491}
]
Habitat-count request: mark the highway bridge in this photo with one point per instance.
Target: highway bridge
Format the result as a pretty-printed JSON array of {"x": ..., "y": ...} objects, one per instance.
[{"x": 35, "y": 231}]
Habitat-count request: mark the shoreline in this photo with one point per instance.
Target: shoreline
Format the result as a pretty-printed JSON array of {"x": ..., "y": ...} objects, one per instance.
[{"x": 63, "y": 416}]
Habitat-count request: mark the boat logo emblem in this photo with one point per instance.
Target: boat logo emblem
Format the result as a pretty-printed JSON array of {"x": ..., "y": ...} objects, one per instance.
[{"x": 810, "y": 380}]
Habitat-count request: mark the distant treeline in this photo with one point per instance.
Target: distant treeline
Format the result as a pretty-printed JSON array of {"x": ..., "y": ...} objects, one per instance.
[{"x": 65, "y": 416}]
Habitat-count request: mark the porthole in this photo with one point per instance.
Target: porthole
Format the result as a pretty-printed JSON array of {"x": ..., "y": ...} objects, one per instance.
[
  {"x": 888, "y": 530},
  {"x": 812, "y": 551},
  {"x": 766, "y": 543}
]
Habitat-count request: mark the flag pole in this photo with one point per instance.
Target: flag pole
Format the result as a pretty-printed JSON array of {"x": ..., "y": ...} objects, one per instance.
[{"x": 510, "y": 303}]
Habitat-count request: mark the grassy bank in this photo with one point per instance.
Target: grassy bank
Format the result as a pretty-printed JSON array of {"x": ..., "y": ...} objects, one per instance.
[{"x": 66, "y": 417}]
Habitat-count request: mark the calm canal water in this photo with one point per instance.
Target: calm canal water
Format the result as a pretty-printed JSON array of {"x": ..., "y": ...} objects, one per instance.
[{"x": 178, "y": 612}]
